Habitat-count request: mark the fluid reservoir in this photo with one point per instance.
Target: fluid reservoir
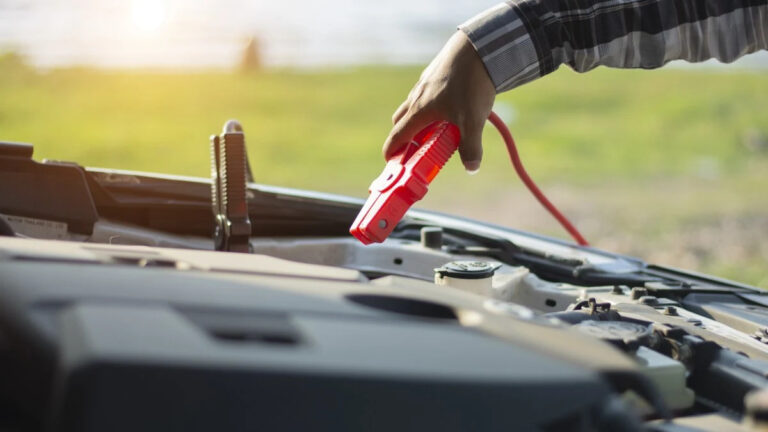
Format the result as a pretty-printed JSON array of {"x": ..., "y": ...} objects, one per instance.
[{"x": 474, "y": 276}]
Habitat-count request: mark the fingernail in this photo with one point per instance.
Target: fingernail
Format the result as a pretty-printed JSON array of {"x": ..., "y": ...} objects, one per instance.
[{"x": 472, "y": 167}]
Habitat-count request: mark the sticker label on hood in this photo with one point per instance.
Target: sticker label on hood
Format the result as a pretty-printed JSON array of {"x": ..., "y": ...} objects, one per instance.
[{"x": 37, "y": 228}]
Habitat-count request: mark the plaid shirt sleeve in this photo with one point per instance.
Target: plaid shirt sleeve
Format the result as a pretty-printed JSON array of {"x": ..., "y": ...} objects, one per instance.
[{"x": 521, "y": 40}]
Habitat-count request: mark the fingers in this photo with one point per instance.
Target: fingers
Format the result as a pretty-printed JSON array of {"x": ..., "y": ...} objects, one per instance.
[
  {"x": 408, "y": 122},
  {"x": 406, "y": 128},
  {"x": 471, "y": 148},
  {"x": 400, "y": 112}
]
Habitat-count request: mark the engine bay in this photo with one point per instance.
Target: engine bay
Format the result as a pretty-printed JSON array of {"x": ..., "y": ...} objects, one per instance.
[{"x": 122, "y": 308}]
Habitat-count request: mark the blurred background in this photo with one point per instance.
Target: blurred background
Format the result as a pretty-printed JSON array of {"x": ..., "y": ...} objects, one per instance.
[{"x": 669, "y": 165}]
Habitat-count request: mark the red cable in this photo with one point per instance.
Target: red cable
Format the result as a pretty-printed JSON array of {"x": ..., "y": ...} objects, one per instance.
[{"x": 518, "y": 164}]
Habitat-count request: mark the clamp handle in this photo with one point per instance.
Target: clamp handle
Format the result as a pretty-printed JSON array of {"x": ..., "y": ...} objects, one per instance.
[{"x": 405, "y": 180}]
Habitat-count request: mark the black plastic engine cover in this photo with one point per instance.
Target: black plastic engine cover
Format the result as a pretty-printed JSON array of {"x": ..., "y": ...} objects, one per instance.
[{"x": 140, "y": 348}]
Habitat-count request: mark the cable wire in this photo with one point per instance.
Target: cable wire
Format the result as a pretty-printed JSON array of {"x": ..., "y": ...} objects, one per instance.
[{"x": 520, "y": 169}]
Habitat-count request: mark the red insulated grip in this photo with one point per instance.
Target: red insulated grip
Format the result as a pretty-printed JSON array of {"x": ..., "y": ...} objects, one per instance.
[
  {"x": 436, "y": 146},
  {"x": 404, "y": 181}
]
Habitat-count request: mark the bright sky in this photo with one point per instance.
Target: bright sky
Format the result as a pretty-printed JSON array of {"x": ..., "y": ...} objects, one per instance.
[
  {"x": 148, "y": 15},
  {"x": 211, "y": 33}
]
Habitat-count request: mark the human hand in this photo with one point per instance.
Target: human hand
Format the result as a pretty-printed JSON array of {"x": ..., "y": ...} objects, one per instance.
[{"x": 455, "y": 87}]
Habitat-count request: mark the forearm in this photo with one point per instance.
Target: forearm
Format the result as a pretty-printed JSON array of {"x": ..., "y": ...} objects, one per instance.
[{"x": 522, "y": 40}]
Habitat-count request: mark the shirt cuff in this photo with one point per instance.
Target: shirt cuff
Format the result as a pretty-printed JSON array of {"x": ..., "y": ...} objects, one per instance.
[{"x": 505, "y": 45}]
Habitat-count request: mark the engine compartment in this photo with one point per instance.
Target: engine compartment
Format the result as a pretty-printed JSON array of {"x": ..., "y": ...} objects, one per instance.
[
  {"x": 608, "y": 333},
  {"x": 117, "y": 313},
  {"x": 124, "y": 330}
]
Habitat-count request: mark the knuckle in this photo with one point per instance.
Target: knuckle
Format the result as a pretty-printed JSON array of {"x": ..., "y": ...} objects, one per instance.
[
  {"x": 419, "y": 105},
  {"x": 417, "y": 90}
]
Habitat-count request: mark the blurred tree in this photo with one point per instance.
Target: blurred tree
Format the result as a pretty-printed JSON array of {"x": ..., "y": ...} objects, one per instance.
[
  {"x": 250, "y": 59},
  {"x": 13, "y": 60}
]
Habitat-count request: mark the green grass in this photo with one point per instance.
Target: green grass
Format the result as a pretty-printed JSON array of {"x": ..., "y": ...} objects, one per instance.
[
  {"x": 302, "y": 127},
  {"x": 620, "y": 139}
]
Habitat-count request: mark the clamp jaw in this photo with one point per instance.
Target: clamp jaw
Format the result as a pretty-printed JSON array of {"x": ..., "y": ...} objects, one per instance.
[
  {"x": 229, "y": 172},
  {"x": 404, "y": 181}
]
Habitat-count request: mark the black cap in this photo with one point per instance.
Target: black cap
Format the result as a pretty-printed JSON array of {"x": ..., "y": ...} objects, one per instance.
[{"x": 468, "y": 269}]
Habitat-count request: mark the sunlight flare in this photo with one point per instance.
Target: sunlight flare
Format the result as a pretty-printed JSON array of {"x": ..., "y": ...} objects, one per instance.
[{"x": 148, "y": 15}]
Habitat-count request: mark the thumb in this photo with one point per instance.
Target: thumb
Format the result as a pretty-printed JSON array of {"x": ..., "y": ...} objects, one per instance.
[
  {"x": 471, "y": 148},
  {"x": 405, "y": 129}
]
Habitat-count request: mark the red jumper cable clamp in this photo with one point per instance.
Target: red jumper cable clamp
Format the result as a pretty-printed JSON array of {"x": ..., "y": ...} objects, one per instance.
[
  {"x": 409, "y": 172},
  {"x": 404, "y": 181}
]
